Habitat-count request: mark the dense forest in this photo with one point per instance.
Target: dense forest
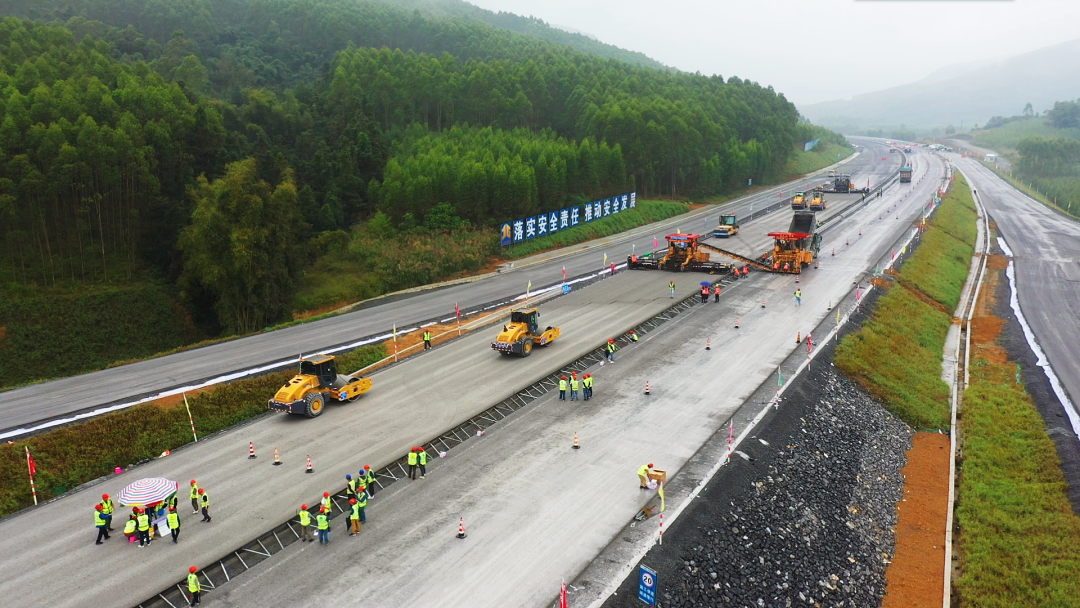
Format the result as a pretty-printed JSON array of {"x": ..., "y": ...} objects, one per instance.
[{"x": 126, "y": 124}]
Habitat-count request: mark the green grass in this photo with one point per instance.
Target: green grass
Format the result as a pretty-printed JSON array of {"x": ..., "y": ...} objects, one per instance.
[
  {"x": 1004, "y": 139},
  {"x": 73, "y": 455},
  {"x": 801, "y": 163},
  {"x": 1069, "y": 187},
  {"x": 646, "y": 212},
  {"x": 897, "y": 354},
  {"x": 1019, "y": 539}
]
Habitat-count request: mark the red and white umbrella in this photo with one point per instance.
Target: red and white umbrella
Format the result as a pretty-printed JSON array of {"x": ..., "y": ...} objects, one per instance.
[{"x": 149, "y": 491}]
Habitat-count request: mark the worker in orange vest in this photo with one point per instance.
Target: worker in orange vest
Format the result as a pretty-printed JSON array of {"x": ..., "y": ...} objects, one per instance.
[
  {"x": 716, "y": 293},
  {"x": 704, "y": 294}
]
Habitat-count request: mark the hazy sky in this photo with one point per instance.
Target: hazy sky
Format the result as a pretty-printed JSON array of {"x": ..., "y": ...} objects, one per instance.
[{"x": 814, "y": 50}]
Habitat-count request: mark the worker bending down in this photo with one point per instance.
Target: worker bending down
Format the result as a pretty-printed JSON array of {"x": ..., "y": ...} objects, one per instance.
[{"x": 643, "y": 475}]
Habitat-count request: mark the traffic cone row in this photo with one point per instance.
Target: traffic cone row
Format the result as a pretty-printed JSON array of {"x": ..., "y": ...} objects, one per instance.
[{"x": 251, "y": 450}]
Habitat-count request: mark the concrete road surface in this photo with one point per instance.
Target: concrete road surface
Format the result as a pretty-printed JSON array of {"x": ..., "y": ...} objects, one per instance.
[
  {"x": 21, "y": 408},
  {"x": 1046, "y": 250},
  {"x": 517, "y": 499}
]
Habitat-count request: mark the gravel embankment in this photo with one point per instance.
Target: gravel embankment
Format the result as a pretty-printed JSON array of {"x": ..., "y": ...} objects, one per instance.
[{"x": 803, "y": 516}]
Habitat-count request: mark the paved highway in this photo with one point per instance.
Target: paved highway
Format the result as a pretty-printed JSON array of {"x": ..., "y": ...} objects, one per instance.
[
  {"x": 1046, "y": 250},
  {"x": 513, "y": 495},
  {"x": 21, "y": 409}
]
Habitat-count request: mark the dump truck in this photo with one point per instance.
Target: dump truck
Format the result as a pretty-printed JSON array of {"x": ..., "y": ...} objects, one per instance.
[
  {"x": 799, "y": 201},
  {"x": 317, "y": 383},
  {"x": 818, "y": 202},
  {"x": 905, "y": 174},
  {"x": 522, "y": 333},
  {"x": 684, "y": 252},
  {"x": 729, "y": 226}
]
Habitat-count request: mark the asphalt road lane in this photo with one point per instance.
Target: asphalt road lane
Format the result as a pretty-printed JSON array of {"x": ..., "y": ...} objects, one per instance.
[
  {"x": 49, "y": 554},
  {"x": 1046, "y": 250},
  {"x": 22, "y": 407}
]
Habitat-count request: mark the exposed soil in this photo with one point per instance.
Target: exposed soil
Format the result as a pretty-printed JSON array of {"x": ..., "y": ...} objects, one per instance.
[{"x": 916, "y": 576}]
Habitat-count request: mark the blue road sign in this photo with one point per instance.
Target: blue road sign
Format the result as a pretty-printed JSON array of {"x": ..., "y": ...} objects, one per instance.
[{"x": 647, "y": 585}]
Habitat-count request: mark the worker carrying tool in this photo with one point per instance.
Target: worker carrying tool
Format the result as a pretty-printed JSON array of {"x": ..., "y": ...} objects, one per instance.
[
  {"x": 194, "y": 587},
  {"x": 643, "y": 475}
]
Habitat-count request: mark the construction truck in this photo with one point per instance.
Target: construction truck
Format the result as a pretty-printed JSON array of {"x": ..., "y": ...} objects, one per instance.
[
  {"x": 729, "y": 226},
  {"x": 317, "y": 383},
  {"x": 818, "y": 202},
  {"x": 799, "y": 202},
  {"x": 523, "y": 332},
  {"x": 684, "y": 252},
  {"x": 905, "y": 174}
]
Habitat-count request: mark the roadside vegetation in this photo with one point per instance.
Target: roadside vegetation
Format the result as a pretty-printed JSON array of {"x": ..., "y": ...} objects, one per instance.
[
  {"x": 897, "y": 354},
  {"x": 73, "y": 455},
  {"x": 1019, "y": 538}
]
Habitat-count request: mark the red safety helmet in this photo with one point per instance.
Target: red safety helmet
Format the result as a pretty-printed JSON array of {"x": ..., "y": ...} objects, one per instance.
[
  {"x": 192, "y": 482},
  {"x": 611, "y": 339},
  {"x": 650, "y": 465},
  {"x": 304, "y": 507},
  {"x": 352, "y": 501},
  {"x": 326, "y": 494},
  {"x": 367, "y": 466},
  {"x": 171, "y": 509},
  {"x": 322, "y": 509},
  {"x": 104, "y": 497},
  {"x": 200, "y": 490},
  {"x": 193, "y": 569},
  {"x": 362, "y": 488},
  {"x": 562, "y": 378},
  {"x": 98, "y": 507}
]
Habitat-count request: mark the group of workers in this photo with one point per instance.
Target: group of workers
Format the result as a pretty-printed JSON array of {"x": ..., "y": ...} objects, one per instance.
[
  {"x": 358, "y": 490},
  {"x": 575, "y": 383},
  {"x": 140, "y": 523}
]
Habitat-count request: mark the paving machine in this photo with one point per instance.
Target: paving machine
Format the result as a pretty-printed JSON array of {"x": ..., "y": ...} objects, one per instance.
[
  {"x": 317, "y": 383},
  {"x": 729, "y": 226},
  {"x": 791, "y": 250},
  {"x": 523, "y": 332},
  {"x": 684, "y": 252}
]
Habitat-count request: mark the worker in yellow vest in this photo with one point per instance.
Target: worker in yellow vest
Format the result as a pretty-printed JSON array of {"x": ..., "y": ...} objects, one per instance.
[
  {"x": 107, "y": 510},
  {"x": 204, "y": 502},
  {"x": 369, "y": 481},
  {"x": 174, "y": 523},
  {"x": 671, "y": 288},
  {"x": 412, "y": 460},
  {"x": 643, "y": 475},
  {"x": 611, "y": 348},
  {"x": 194, "y": 587},
  {"x": 421, "y": 456},
  {"x": 327, "y": 503},
  {"x": 587, "y": 382},
  {"x": 575, "y": 384},
  {"x": 143, "y": 523},
  {"x": 323, "y": 523},
  {"x": 427, "y": 339},
  {"x": 562, "y": 388},
  {"x": 305, "y": 524},
  {"x": 361, "y": 504},
  {"x": 129, "y": 528},
  {"x": 354, "y": 517},
  {"x": 350, "y": 489},
  {"x": 101, "y": 524},
  {"x": 194, "y": 497}
]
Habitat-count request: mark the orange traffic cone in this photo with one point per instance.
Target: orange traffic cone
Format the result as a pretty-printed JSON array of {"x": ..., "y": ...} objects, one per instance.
[
  {"x": 797, "y": 278},
  {"x": 647, "y": 390},
  {"x": 461, "y": 529},
  {"x": 309, "y": 469},
  {"x": 708, "y": 343},
  {"x": 277, "y": 458},
  {"x": 251, "y": 450},
  {"x": 577, "y": 446},
  {"x": 736, "y": 322},
  {"x": 798, "y": 337}
]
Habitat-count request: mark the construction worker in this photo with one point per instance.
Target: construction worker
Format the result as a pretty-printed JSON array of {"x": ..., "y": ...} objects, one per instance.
[
  {"x": 798, "y": 297},
  {"x": 746, "y": 271},
  {"x": 305, "y": 524},
  {"x": 327, "y": 502},
  {"x": 633, "y": 336},
  {"x": 412, "y": 460},
  {"x": 643, "y": 474},
  {"x": 421, "y": 454},
  {"x": 427, "y": 339},
  {"x": 204, "y": 502},
  {"x": 174, "y": 523},
  {"x": 671, "y": 288},
  {"x": 350, "y": 489},
  {"x": 129, "y": 527},
  {"x": 107, "y": 510},
  {"x": 101, "y": 524},
  {"x": 323, "y": 523},
  {"x": 143, "y": 524},
  {"x": 611, "y": 348},
  {"x": 194, "y": 497},
  {"x": 369, "y": 480},
  {"x": 716, "y": 293},
  {"x": 562, "y": 388},
  {"x": 194, "y": 587},
  {"x": 575, "y": 384},
  {"x": 587, "y": 383},
  {"x": 361, "y": 503},
  {"x": 704, "y": 294},
  {"x": 354, "y": 517}
]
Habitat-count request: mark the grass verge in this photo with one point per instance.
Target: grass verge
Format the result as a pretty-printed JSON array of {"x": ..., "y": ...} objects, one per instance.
[
  {"x": 76, "y": 454},
  {"x": 801, "y": 163},
  {"x": 897, "y": 354}
]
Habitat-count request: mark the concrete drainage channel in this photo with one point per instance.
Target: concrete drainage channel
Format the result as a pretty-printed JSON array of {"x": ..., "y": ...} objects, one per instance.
[{"x": 224, "y": 569}]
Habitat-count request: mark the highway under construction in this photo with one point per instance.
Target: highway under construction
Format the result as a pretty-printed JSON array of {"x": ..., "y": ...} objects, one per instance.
[{"x": 535, "y": 510}]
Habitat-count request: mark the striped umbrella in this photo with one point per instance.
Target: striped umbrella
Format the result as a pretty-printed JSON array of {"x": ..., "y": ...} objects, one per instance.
[{"x": 151, "y": 490}]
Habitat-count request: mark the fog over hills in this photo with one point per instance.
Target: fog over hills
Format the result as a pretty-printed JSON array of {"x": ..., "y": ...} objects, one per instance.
[{"x": 969, "y": 93}]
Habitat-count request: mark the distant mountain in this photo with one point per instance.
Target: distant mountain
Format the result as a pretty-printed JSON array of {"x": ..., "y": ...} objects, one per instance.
[
  {"x": 532, "y": 26},
  {"x": 969, "y": 93}
]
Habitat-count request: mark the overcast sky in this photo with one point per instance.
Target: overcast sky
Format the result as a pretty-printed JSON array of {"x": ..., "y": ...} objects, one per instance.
[{"x": 814, "y": 50}]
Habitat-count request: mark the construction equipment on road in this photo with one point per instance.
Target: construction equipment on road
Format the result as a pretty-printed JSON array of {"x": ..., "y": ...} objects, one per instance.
[
  {"x": 798, "y": 246},
  {"x": 729, "y": 226},
  {"x": 841, "y": 184},
  {"x": 799, "y": 201},
  {"x": 523, "y": 332},
  {"x": 818, "y": 202},
  {"x": 684, "y": 252},
  {"x": 317, "y": 383},
  {"x": 905, "y": 174}
]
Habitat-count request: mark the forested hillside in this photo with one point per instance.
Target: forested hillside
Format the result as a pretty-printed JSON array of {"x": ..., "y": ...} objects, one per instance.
[{"x": 128, "y": 126}]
